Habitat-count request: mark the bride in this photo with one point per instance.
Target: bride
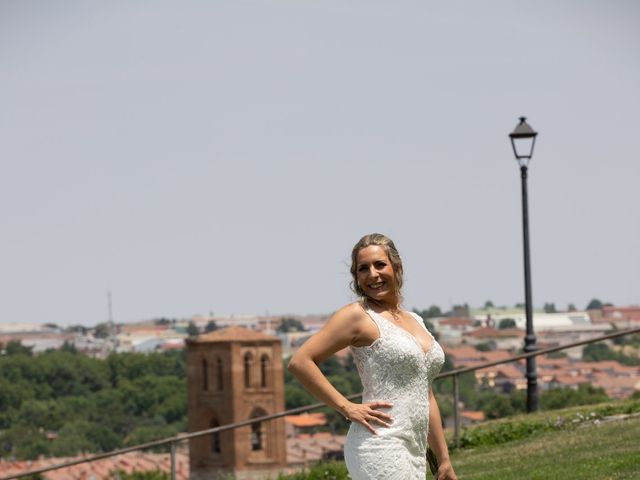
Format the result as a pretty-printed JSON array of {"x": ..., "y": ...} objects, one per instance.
[{"x": 397, "y": 359}]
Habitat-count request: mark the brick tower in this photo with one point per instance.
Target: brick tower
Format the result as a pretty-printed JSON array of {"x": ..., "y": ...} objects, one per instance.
[{"x": 235, "y": 374}]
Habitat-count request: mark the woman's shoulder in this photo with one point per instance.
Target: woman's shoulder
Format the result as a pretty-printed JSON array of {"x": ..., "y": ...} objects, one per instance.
[{"x": 352, "y": 314}]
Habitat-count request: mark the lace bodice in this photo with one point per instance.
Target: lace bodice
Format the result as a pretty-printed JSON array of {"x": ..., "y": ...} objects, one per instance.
[{"x": 396, "y": 369}]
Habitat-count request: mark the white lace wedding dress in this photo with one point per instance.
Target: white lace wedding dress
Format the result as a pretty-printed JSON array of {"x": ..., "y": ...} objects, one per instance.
[{"x": 394, "y": 368}]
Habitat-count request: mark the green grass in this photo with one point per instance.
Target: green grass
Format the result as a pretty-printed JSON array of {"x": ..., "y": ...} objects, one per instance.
[
  {"x": 567, "y": 444},
  {"x": 524, "y": 426},
  {"x": 603, "y": 451}
]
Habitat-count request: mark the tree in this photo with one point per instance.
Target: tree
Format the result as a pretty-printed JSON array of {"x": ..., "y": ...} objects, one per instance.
[
  {"x": 68, "y": 346},
  {"x": 460, "y": 310},
  {"x": 77, "y": 329},
  {"x": 431, "y": 328},
  {"x": 147, "y": 475},
  {"x": 289, "y": 324},
  {"x": 15, "y": 347},
  {"x": 486, "y": 346},
  {"x": 91, "y": 404},
  {"x": 431, "y": 312},
  {"x": 594, "y": 304},
  {"x": 495, "y": 405},
  {"x": 211, "y": 326},
  {"x": 192, "y": 330},
  {"x": 102, "y": 330},
  {"x": 434, "y": 311},
  {"x": 557, "y": 355},
  {"x": 488, "y": 304},
  {"x": 566, "y": 397},
  {"x": 296, "y": 396},
  {"x": 633, "y": 340},
  {"x": 507, "y": 323},
  {"x": 550, "y": 307},
  {"x": 595, "y": 352},
  {"x": 519, "y": 305},
  {"x": 571, "y": 308}
]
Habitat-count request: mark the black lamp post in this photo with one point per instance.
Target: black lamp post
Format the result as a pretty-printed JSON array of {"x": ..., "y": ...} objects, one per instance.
[{"x": 523, "y": 139}]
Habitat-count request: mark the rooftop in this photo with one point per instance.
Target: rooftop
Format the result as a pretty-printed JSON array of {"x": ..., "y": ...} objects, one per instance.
[
  {"x": 127, "y": 462},
  {"x": 232, "y": 334},
  {"x": 488, "y": 332},
  {"x": 306, "y": 420}
]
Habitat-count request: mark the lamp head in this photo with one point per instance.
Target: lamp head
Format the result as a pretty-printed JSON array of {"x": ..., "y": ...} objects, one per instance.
[{"x": 523, "y": 139}]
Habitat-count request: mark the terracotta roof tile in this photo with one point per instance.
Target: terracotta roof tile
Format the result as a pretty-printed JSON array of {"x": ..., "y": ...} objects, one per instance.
[
  {"x": 495, "y": 355},
  {"x": 469, "y": 352},
  {"x": 570, "y": 379},
  {"x": 232, "y": 334},
  {"x": 476, "y": 416},
  {"x": 509, "y": 371},
  {"x": 542, "y": 361},
  {"x": 129, "y": 462},
  {"x": 489, "y": 332},
  {"x": 306, "y": 420},
  {"x": 456, "y": 321}
]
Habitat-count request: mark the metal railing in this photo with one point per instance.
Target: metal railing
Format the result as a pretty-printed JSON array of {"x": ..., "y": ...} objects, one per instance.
[{"x": 173, "y": 441}]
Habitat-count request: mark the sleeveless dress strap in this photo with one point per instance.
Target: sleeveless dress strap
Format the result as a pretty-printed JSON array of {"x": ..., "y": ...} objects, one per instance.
[
  {"x": 374, "y": 316},
  {"x": 421, "y": 322}
]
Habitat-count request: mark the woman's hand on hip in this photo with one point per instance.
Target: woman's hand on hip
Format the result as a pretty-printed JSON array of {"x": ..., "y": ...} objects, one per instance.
[{"x": 368, "y": 414}]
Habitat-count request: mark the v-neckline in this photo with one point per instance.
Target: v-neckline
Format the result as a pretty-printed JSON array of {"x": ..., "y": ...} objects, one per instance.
[{"x": 413, "y": 337}]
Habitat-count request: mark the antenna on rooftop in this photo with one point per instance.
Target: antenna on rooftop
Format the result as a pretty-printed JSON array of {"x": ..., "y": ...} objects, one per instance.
[{"x": 110, "y": 308}]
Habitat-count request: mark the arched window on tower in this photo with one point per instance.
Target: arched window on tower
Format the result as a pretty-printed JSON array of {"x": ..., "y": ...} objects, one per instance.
[
  {"x": 264, "y": 371},
  {"x": 259, "y": 440},
  {"x": 219, "y": 376},
  {"x": 205, "y": 375},
  {"x": 256, "y": 436},
  {"x": 215, "y": 437},
  {"x": 248, "y": 366}
]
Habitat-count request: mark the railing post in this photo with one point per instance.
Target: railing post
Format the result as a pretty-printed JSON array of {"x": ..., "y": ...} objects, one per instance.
[
  {"x": 173, "y": 460},
  {"x": 456, "y": 413}
]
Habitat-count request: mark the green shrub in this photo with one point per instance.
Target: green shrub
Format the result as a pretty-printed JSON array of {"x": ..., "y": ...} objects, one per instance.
[
  {"x": 148, "y": 475},
  {"x": 321, "y": 471},
  {"x": 523, "y": 426}
]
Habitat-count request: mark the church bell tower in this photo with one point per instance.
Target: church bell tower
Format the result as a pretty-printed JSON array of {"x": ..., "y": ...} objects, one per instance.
[{"x": 235, "y": 374}]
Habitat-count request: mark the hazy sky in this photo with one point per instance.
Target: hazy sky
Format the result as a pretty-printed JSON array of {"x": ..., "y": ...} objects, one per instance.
[{"x": 225, "y": 156}]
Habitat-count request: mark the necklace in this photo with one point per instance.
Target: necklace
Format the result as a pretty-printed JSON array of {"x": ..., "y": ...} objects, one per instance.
[{"x": 396, "y": 313}]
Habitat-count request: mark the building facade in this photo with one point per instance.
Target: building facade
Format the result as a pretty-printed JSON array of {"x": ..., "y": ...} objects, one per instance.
[{"x": 233, "y": 375}]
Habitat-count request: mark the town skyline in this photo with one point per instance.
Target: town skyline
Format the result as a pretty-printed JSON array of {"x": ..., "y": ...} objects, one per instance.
[{"x": 463, "y": 309}]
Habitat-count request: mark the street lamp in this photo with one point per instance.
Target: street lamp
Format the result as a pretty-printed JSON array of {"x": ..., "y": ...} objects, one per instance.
[{"x": 523, "y": 139}]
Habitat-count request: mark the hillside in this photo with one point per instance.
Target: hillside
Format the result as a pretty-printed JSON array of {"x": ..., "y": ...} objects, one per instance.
[{"x": 608, "y": 450}]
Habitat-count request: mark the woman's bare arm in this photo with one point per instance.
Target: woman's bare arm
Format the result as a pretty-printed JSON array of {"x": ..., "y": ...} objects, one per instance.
[
  {"x": 344, "y": 328},
  {"x": 437, "y": 441}
]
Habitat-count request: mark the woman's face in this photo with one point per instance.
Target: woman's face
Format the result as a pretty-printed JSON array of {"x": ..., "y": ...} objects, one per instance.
[{"x": 374, "y": 273}]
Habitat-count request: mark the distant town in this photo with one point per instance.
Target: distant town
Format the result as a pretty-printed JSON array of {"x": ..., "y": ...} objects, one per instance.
[{"x": 470, "y": 337}]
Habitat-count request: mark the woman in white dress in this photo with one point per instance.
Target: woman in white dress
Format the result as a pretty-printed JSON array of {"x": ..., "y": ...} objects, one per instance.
[{"x": 397, "y": 359}]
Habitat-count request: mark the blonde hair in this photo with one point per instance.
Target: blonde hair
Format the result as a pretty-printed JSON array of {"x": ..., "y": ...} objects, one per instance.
[{"x": 380, "y": 240}]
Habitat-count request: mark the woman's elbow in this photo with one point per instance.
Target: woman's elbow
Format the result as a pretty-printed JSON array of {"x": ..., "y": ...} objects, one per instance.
[
  {"x": 299, "y": 362},
  {"x": 294, "y": 364}
]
